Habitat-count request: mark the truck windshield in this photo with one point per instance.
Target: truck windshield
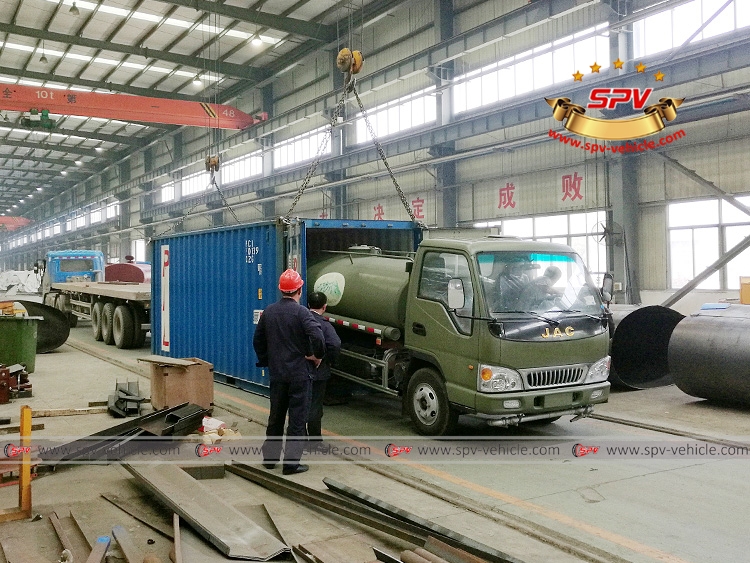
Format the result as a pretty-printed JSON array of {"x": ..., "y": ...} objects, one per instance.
[
  {"x": 76, "y": 265},
  {"x": 537, "y": 283}
]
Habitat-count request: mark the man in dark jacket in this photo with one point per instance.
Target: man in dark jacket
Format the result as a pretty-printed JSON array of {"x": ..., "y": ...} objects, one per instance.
[
  {"x": 290, "y": 342},
  {"x": 317, "y": 302}
]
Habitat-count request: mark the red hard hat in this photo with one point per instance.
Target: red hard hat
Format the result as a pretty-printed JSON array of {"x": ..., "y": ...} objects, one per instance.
[{"x": 290, "y": 281}]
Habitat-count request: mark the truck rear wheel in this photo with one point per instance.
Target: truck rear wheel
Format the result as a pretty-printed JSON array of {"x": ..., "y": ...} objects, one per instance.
[
  {"x": 122, "y": 327},
  {"x": 108, "y": 313},
  {"x": 427, "y": 404},
  {"x": 96, "y": 320}
]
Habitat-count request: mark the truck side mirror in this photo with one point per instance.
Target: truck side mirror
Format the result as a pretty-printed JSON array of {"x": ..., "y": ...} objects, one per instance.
[
  {"x": 607, "y": 285},
  {"x": 456, "y": 296}
]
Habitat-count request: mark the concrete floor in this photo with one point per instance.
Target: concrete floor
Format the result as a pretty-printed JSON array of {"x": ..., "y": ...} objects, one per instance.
[{"x": 634, "y": 509}]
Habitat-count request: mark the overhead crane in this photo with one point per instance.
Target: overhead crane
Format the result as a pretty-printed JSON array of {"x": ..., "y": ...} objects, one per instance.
[{"x": 124, "y": 107}]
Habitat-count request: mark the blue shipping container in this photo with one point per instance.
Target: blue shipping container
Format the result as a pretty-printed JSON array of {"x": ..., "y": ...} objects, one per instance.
[{"x": 210, "y": 287}]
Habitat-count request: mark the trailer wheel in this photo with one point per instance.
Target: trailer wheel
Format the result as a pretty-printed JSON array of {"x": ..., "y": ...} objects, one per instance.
[
  {"x": 122, "y": 327},
  {"x": 139, "y": 316},
  {"x": 96, "y": 320},
  {"x": 108, "y": 313},
  {"x": 427, "y": 404}
]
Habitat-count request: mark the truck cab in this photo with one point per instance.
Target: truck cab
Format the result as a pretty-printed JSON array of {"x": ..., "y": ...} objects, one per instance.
[
  {"x": 505, "y": 330},
  {"x": 62, "y": 266}
]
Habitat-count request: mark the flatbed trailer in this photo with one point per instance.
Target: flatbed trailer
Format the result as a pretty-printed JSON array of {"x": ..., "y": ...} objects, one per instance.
[{"x": 120, "y": 312}]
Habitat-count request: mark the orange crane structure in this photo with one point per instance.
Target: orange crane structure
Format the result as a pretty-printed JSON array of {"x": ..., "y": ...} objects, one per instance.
[{"x": 124, "y": 107}]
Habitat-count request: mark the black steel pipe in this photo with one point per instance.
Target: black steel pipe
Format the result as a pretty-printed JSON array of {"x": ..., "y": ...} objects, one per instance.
[
  {"x": 639, "y": 347},
  {"x": 709, "y": 355}
]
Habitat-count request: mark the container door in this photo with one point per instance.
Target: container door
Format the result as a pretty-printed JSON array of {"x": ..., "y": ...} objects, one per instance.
[
  {"x": 208, "y": 294},
  {"x": 444, "y": 336}
]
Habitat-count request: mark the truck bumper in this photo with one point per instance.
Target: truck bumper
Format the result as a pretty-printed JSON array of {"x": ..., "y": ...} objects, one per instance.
[{"x": 511, "y": 408}]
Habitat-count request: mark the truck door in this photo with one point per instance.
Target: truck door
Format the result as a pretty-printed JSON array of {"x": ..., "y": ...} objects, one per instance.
[{"x": 444, "y": 336}]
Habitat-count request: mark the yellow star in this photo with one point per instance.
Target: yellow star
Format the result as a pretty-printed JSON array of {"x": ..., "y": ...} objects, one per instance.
[
  {"x": 659, "y": 76},
  {"x": 595, "y": 67},
  {"x": 578, "y": 77},
  {"x": 618, "y": 63},
  {"x": 640, "y": 67}
]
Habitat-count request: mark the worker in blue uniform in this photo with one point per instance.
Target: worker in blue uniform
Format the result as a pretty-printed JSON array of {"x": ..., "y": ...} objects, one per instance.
[
  {"x": 290, "y": 342},
  {"x": 317, "y": 302}
]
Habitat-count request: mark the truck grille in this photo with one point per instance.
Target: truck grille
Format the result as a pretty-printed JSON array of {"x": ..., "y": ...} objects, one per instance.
[{"x": 554, "y": 376}]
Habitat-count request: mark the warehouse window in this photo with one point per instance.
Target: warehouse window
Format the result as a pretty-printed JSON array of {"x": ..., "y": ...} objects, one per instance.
[
  {"x": 196, "y": 183},
  {"x": 302, "y": 147},
  {"x": 242, "y": 167},
  {"x": 138, "y": 248},
  {"x": 113, "y": 210},
  {"x": 167, "y": 192},
  {"x": 531, "y": 70},
  {"x": 95, "y": 216},
  {"x": 700, "y": 232},
  {"x": 398, "y": 115},
  {"x": 671, "y": 28}
]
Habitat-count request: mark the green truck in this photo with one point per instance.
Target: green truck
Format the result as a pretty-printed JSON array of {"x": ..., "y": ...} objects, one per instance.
[{"x": 501, "y": 329}]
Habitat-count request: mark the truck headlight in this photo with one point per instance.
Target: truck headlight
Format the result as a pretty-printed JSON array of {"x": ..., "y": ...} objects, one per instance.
[
  {"x": 599, "y": 371},
  {"x": 493, "y": 379}
]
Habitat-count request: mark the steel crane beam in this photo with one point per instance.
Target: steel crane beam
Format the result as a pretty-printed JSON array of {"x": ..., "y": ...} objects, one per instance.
[{"x": 126, "y": 108}]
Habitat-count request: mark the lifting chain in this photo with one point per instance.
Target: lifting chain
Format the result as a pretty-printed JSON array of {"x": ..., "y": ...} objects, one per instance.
[
  {"x": 350, "y": 86},
  {"x": 322, "y": 147},
  {"x": 381, "y": 152},
  {"x": 199, "y": 201}
]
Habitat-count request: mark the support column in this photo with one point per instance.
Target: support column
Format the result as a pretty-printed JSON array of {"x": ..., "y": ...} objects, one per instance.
[
  {"x": 623, "y": 242},
  {"x": 268, "y": 207},
  {"x": 445, "y": 173}
]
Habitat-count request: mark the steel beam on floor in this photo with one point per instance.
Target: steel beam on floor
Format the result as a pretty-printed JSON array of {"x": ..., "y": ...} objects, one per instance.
[
  {"x": 342, "y": 507},
  {"x": 463, "y": 542}
]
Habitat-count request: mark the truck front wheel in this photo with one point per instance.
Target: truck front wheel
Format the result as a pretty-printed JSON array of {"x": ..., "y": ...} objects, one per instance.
[{"x": 427, "y": 403}]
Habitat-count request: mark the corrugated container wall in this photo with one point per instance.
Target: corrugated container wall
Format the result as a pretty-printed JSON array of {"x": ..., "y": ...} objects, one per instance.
[{"x": 206, "y": 288}]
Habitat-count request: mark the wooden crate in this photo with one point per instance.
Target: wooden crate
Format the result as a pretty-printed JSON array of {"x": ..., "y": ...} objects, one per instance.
[{"x": 179, "y": 380}]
